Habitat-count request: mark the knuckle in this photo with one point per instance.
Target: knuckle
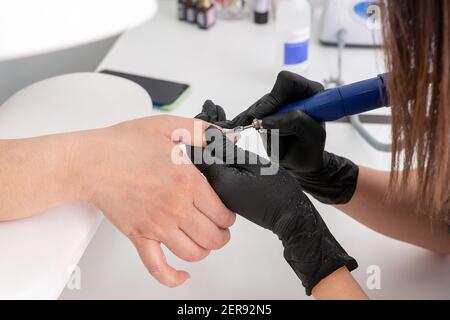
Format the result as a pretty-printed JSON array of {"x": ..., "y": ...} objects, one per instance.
[
  {"x": 322, "y": 134},
  {"x": 230, "y": 220},
  {"x": 146, "y": 222},
  {"x": 215, "y": 241},
  {"x": 171, "y": 209},
  {"x": 181, "y": 180},
  {"x": 132, "y": 234},
  {"x": 176, "y": 177},
  {"x": 283, "y": 75},
  {"x": 287, "y": 77},
  {"x": 297, "y": 115},
  {"x": 226, "y": 236},
  {"x": 190, "y": 257},
  {"x": 319, "y": 86},
  {"x": 179, "y": 212},
  {"x": 196, "y": 255},
  {"x": 139, "y": 235},
  {"x": 226, "y": 219}
]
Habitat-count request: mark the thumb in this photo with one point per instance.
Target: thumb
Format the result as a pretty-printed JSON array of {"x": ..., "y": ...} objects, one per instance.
[{"x": 290, "y": 87}]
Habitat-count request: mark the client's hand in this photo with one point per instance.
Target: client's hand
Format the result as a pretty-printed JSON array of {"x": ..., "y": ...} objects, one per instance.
[
  {"x": 275, "y": 202},
  {"x": 128, "y": 172}
]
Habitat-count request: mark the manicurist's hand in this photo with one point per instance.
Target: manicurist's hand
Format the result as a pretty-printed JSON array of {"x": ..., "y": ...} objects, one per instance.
[
  {"x": 272, "y": 199},
  {"x": 275, "y": 201},
  {"x": 129, "y": 172},
  {"x": 329, "y": 178}
]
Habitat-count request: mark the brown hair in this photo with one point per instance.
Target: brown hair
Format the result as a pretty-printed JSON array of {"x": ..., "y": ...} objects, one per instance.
[{"x": 417, "y": 45}]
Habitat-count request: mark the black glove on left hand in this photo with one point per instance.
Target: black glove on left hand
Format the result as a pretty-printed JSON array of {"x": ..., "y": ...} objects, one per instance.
[{"x": 275, "y": 202}]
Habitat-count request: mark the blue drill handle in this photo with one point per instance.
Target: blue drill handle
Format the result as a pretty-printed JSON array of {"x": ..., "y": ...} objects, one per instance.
[{"x": 351, "y": 99}]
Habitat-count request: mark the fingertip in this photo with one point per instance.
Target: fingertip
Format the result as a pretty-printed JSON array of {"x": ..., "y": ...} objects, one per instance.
[
  {"x": 221, "y": 115},
  {"x": 227, "y": 236},
  {"x": 183, "y": 277},
  {"x": 232, "y": 219},
  {"x": 154, "y": 260},
  {"x": 228, "y": 220},
  {"x": 177, "y": 279},
  {"x": 233, "y": 136},
  {"x": 208, "y": 103}
]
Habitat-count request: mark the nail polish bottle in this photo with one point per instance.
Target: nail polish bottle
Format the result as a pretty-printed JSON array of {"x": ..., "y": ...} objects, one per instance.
[
  {"x": 182, "y": 6},
  {"x": 206, "y": 14},
  {"x": 191, "y": 11}
]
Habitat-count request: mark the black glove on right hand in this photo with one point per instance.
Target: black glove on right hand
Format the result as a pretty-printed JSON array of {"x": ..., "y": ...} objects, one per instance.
[
  {"x": 275, "y": 202},
  {"x": 327, "y": 177}
]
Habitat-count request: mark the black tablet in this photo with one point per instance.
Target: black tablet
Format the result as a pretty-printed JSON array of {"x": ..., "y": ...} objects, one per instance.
[{"x": 162, "y": 92}]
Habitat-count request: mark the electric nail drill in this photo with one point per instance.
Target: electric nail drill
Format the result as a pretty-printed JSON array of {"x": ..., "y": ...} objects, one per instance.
[{"x": 333, "y": 104}]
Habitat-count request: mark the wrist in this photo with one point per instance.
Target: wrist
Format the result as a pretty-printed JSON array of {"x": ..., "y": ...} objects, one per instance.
[
  {"x": 339, "y": 285},
  {"x": 86, "y": 153},
  {"x": 335, "y": 183},
  {"x": 36, "y": 175},
  {"x": 313, "y": 252}
]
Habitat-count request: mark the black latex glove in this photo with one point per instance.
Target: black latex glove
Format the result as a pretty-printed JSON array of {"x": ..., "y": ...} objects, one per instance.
[
  {"x": 275, "y": 202},
  {"x": 329, "y": 178},
  {"x": 288, "y": 88}
]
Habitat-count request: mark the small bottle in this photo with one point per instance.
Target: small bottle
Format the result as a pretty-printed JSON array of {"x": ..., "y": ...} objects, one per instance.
[
  {"x": 206, "y": 14},
  {"x": 182, "y": 7},
  {"x": 261, "y": 11},
  {"x": 232, "y": 9},
  {"x": 293, "y": 23},
  {"x": 191, "y": 11}
]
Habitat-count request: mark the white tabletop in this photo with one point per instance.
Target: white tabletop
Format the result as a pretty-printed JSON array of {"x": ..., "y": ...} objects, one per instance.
[
  {"x": 234, "y": 64},
  {"x": 29, "y": 27}
]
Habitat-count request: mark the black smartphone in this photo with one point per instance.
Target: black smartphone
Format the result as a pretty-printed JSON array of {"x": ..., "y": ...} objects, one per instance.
[{"x": 164, "y": 93}]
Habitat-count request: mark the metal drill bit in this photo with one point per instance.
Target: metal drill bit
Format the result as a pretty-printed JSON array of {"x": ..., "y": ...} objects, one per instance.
[
  {"x": 242, "y": 128},
  {"x": 256, "y": 124}
]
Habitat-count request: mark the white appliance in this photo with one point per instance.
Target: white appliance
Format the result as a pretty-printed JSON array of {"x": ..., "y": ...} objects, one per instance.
[
  {"x": 359, "y": 19},
  {"x": 40, "y": 39}
]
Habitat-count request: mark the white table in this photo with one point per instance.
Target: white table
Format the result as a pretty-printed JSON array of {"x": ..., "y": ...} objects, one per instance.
[{"x": 234, "y": 64}]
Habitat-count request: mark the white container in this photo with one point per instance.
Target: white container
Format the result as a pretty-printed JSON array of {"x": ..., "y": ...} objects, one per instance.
[{"x": 293, "y": 23}]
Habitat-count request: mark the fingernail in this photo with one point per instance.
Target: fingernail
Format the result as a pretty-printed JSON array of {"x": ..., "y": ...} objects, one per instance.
[{"x": 233, "y": 136}]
